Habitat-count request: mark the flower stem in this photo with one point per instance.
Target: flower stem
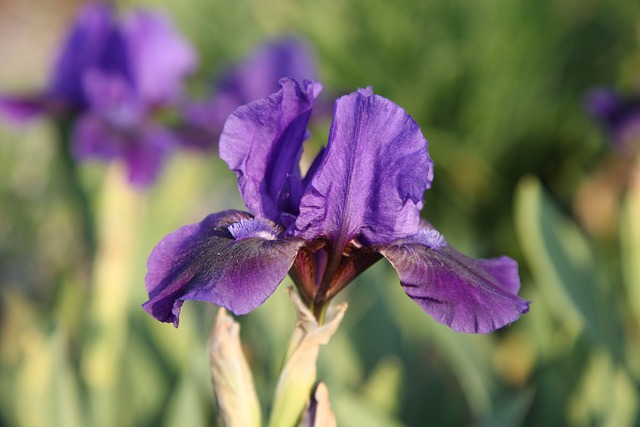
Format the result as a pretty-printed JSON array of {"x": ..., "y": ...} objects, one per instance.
[{"x": 69, "y": 169}]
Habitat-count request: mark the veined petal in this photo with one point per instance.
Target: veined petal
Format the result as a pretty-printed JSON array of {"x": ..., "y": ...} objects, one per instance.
[
  {"x": 229, "y": 259},
  {"x": 468, "y": 295},
  {"x": 262, "y": 143},
  {"x": 161, "y": 58},
  {"x": 372, "y": 176}
]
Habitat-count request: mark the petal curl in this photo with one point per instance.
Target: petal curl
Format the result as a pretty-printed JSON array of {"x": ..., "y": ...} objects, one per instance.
[
  {"x": 468, "y": 295},
  {"x": 262, "y": 143},
  {"x": 206, "y": 262},
  {"x": 372, "y": 177}
]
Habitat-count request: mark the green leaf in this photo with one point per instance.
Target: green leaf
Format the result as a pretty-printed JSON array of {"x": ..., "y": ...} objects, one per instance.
[
  {"x": 564, "y": 266},
  {"x": 510, "y": 413},
  {"x": 606, "y": 396}
]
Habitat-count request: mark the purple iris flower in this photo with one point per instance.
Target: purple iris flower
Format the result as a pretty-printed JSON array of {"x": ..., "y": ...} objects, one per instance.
[
  {"x": 619, "y": 116},
  {"x": 112, "y": 78},
  {"x": 254, "y": 78},
  {"x": 359, "y": 201}
]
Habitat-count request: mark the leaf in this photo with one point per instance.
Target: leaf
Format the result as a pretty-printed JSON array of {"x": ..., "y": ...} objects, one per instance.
[
  {"x": 511, "y": 412},
  {"x": 565, "y": 266}
]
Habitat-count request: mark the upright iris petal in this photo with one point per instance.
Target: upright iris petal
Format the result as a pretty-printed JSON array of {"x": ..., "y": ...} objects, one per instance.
[
  {"x": 161, "y": 58},
  {"x": 372, "y": 177},
  {"x": 279, "y": 123},
  {"x": 359, "y": 202},
  {"x": 94, "y": 42}
]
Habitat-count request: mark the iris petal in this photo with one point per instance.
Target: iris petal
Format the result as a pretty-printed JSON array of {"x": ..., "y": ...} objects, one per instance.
[
  {"x": 372, "y": 177},
  {"x": 205, "y": 262},
  {"x": 468, "y": 295},
  {"x": 93, "y": 42},
  {"x": 20, "y": 110},
  {"x": 160, "y": 57},
  {"x": 262, "y": 143}
]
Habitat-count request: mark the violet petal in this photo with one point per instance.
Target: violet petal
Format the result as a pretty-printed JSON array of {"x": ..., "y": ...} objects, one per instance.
[
  {"x": 372, "y": 176},
  {"x": 93, "y": 42},
  {"x": 20, "y": 110},
  {"x": 262, "y": 143},
  {"x": 468, "y": 295},
  {"x": 92, "y": 139},
  {"x": 258, "y": 76},
  {"x": 161, "y": 58},
  {"x": 145, "y": 156},
  {"x": 206, "y": 262}
]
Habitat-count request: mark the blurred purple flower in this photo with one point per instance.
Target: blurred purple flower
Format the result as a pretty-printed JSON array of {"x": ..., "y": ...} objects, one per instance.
[
  {"x": 254, "y": 78},
  {"x": 111, "y": 79},
  {"x": 619, "y": 116},
  {"x": 359, "y": 201}
]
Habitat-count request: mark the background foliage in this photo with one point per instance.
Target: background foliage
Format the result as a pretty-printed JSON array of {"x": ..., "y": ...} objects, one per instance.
[{"x": 497, "y": 87}]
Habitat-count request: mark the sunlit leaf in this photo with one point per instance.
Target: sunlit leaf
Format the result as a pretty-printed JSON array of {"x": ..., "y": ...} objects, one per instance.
[{"x": 565, "y": 266}]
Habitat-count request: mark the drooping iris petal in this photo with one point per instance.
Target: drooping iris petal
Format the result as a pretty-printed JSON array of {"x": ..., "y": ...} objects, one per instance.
[
  {"x": 468, "y": 295},
  {"x": 19, "y": 110},
  {"x": 145, "y": 156},
  {"x": 262, "y": 143},
  {"x": 144, "y": 153},
  {"x": 230, "y": 259},
  {"x": 372, "y": 176},
  {"x": 161, "y": 58}
]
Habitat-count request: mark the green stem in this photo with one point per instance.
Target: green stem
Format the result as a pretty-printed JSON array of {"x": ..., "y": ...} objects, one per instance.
[{"x": 82, "y": 206}]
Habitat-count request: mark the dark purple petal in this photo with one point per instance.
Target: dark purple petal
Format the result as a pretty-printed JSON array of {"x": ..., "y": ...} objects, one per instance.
[
  {"x": 93, "y": 42},
  {"x": 229, "y": 259},
  {"x": 203, "y": 121},
  {"x": 20, "y": 110},
  {"x": 468, "y": 295},
  {"x": 160, "y": 57},
  {"x": 603, "y": 103},
  {"x": 143, "y": 151},
  {"x": 145, "y": 156},
  {"x": 372, "y": 176},
  {"x": 92, "y": 139},
  {"x": 619, "y": 116},
  {"x": 262, "y": 143},
  {"x": 112, "y": 97}
]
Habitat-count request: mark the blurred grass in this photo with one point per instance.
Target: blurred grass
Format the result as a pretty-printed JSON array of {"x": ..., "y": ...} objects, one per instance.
[{"x": 497, "y": 88}]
